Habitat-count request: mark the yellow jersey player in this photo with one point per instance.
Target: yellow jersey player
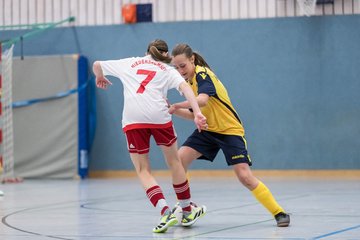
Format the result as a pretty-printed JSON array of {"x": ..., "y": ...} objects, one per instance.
[{"x": 224, "y": 131}]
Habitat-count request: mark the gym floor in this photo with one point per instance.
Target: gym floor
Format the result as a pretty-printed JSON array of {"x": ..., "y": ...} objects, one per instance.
[{"x": 106, "y": 209}]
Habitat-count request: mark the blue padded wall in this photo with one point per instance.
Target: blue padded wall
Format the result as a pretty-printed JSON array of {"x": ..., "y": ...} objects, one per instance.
[{"x": 294, "y": 82}]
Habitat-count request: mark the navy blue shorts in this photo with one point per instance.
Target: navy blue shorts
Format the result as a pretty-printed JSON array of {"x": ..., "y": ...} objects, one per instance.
[{"x": 209, "y": 144}]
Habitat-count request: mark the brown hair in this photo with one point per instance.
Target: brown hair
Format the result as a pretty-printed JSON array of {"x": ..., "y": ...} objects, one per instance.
[
  {"x": 156, "y": 48},
  {"x": 183, "y": 48}
]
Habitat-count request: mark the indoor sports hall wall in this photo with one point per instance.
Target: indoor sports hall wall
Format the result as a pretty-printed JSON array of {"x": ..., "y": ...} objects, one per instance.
[{"x": 294, "y": 81}]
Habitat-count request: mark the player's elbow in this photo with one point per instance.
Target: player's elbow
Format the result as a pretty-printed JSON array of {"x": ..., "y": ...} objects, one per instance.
[
  {"x": 202, "y": 100},
  {"x": 96, "y": 68},
  {"x": 96, "y": 65},
  {"x": 202, "y": 103}
]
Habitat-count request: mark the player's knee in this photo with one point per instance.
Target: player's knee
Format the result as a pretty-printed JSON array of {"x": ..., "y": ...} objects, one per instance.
[
  {"x": 174, "y": 163},
  {"x": 187, "y": 155},
  {"x": 181, "y": 153},
  {"x": 245, "y": 177}
]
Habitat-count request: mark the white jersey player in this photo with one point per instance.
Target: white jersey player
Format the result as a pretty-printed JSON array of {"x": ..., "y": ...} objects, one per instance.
[{"x": 146, "y": 81}]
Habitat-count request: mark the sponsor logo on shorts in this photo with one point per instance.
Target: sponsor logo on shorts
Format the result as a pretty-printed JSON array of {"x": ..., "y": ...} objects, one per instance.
[
  {"x": 237, "y": 156},
  {"x": 131, "y": 146}
]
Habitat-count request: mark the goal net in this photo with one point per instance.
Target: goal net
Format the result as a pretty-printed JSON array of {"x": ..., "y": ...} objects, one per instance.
[{"x": 6, "y": 121}]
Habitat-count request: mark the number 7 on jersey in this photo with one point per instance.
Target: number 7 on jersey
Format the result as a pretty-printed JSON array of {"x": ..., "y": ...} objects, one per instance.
[{"x": 149, "y": 76}]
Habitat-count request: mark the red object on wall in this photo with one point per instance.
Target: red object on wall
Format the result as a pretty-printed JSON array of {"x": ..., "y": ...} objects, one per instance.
[{"x": 129, "y": 13}]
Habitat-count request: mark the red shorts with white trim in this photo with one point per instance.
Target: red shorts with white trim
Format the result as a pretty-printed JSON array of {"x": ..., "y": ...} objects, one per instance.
[{"x": 138, "y": 140}]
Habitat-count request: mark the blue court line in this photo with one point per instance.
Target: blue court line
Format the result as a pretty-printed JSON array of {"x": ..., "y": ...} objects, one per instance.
[{"x": 336, "y": 232}]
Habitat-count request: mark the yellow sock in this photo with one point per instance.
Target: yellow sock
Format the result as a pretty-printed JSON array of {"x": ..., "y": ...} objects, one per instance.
[{"x": 264, "y": 196}]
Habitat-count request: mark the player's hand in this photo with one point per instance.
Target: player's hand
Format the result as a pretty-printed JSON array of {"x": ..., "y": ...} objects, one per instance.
[
  {"x": 102, "y": 82},
  {"x": 200, "y": 122},
  {"x": 172, "y": 108},
  {"x": 168, "y": 104}
]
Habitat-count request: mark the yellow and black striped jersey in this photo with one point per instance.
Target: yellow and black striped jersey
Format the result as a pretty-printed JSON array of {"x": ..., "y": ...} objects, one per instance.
[{"x": 219, "y": 111}]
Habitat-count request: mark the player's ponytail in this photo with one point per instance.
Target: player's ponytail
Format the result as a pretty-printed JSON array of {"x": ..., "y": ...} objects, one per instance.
[
  {"x": 200, "y": 61},
  {"x": 157, "y": 48},
  {"x": 186, "y": 49}
]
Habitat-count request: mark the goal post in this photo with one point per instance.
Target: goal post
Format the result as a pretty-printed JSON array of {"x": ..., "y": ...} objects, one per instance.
[{"x": 6, "y": 115}]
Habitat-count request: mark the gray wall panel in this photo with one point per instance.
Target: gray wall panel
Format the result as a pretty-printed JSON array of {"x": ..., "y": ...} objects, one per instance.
[{"x": 46, "y": 133}]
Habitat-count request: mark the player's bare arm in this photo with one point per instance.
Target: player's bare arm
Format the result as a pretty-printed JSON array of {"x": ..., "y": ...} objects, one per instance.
[
  {"x": 201, "y": 99},
  {"x": 183, "y": 113},
  {"x": 101, "y": 81},
  {"x": 199, "y": 118}
]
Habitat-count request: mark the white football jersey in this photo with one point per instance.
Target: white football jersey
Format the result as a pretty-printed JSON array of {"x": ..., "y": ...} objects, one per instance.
[{"x": 146, "y": 83}]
